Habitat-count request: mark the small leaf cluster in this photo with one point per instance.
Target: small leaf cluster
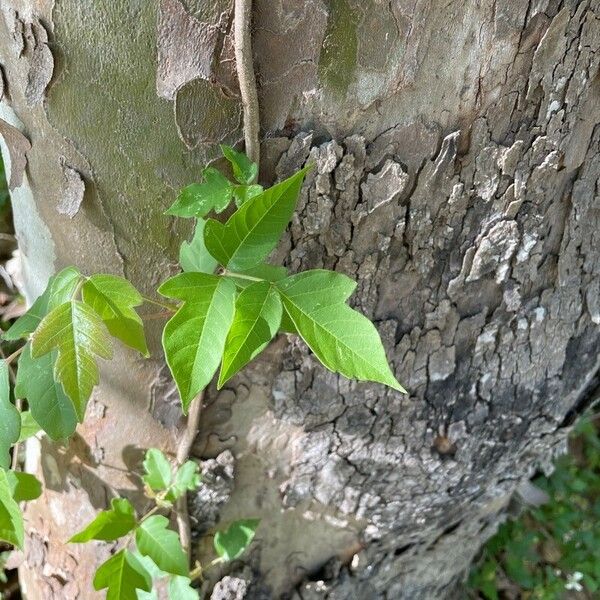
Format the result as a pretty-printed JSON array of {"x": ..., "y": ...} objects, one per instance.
[
  {"x": 158, "y": 552},
  {"x": 226, "y": 318}
]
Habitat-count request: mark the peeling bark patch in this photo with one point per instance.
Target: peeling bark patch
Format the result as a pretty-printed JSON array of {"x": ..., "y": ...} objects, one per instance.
[
  {"x": 73, "y": 192},
  {"x": 41, "y": 65},
  {"x": 204, "y": 114},
  {"x": 186, "y": 47},
  {"x": 18, "y": 146}
]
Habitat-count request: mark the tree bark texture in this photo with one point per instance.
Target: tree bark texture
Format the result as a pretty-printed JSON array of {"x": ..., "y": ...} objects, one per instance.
[{"x": 457, "y": 162}]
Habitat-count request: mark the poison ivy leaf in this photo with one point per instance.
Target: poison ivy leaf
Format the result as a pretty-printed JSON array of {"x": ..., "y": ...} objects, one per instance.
[
  {"x": 180, "y": 588},
  {"x": 193, "y": 256},
  {"x": 78, "y": 334},
  {"x": 158, "y": 470},
  {"x": 155, "y": 540},
  {"x": 198, "y": 199},
  {"x": 60, "y": 286},
  {"x": 243, "y": 193},
  {"x": 10, "y": 419},
  {"x": 122, "y": 574},
  {"x": 264, "y": 271},
  {"x": 194, "y": 337},
  {"x": 48, "y": 403},
  {"x": 29, "y": 426},
  {"x": 253, "y": 230},
  {"x": 27, "y": 323},
  {"x": 255, "y": 323},
  {"x": 11, "y": 520},
  {"x": 186, "y": 478},
  {"x": 244, "y": 170},
  {"x": 113, "y": 299},
  {"x": 342, "y": 339},
  {"x": 23, "y": 486},
  {"x": 109, "y": 524},
  {"x": 63, "y": 286},
  {"x": 231, "y": 543}
]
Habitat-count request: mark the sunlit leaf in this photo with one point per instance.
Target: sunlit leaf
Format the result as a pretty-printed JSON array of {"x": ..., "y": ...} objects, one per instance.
[
  {"x": 194, "y": 337},
  {"x": 157, "y": 469},
  {"x": 109, "y": 524},
  {"x": 244, "y": 170},
  {"x": 255, "y": 323},
  {"x": 155, "y": 540},
  {"x": 10, "y": 420},
  {"x": 193, "y": 256},
  {"x": 231, "y": 543},
  {"x": 123, "y": 575}
]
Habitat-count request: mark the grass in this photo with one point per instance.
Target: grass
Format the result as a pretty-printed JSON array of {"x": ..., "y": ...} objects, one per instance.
[{"x": 552, "y": 551}]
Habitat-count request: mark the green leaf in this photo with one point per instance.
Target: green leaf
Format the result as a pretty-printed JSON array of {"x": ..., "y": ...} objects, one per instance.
[
  {"x": 109, "y": 524},
  {"x": 194, "y": 337},
  {"x": 10, "y": 419},
  {"x": 122, "y": 574},
  {"x": 342, "y": 339},
  {"x": 29, "y": 426},
  {"x": 48, "y": 403},
  {"x": 255, "y": 323},
  {"x": 244, "y": 170},
  {"x": 63, "y": 286},
  {"x": 180, "y": 588},
  {"x": 193, "y": 256},
  {"x": 23, "y": 486},
  {"x": 231, "y": 543},
  {"x": 253, "y": 230},
  {"x": 113, "y": 299},
  {"x": 27, "y": 323},
  {"x": 11, "y": 520},
  {"x": 158, "y": 470},
  {"x": 243, "y": 193},
  {"x": 198, "y": 199},
  {"x": 264, "y": 271},
  {"x": 78, "y": 334},
  {"x": 186, "y": 478},
  {"x": 155, "y": 540}
]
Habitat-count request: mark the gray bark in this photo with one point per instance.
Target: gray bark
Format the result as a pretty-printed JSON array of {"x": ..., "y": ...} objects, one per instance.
[{"x": 456, "y": 147}]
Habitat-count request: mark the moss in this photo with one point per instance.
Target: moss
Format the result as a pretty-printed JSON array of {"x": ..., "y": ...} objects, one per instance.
[{"x": 338, "y": 58}]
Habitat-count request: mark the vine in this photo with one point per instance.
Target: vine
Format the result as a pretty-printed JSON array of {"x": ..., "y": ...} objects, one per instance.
[{"x": 224, "y": 308}]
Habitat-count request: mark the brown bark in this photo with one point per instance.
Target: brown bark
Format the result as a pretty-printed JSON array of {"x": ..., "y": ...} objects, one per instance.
[{"x": 457, "y": 173}]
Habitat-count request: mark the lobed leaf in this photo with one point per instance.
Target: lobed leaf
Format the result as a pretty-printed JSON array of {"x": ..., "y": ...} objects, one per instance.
[
  {"x": 254, "y": 229},
  {"x": 193, "y": 256},
  {"x": 194, "y": 337},
  {"x": 231, "y": 543},
  {"x": 63, "y": 287},
  {"x": 341, "y": 338},
  {"x": 123, "y": 575},
  {"x": 186, "y": 478},
  {"x": 50, "y": 407},
  {"x": 109, "y": 524},
  {"x": 158, "y": 470},
  {"x": 10, "y": 419},
  {"x": 155, "y": 540},
  {"x": 255, "y": 323},
  {"x": 27, "y": 322},
  {"x": 78, "y": 334},
  {"x": 244, "y": 170},
  {"x": 198, "y": 199},
  {"x": 113, "y": 299}
]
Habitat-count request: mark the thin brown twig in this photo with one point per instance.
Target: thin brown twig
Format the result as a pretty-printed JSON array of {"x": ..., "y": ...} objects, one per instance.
[
  {"x": 183, "y": 451},
  {"x": 242, "y": 19}
]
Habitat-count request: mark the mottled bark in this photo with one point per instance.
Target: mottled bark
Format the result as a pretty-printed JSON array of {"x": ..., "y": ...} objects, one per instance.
[{"x": 456, "y": 147}]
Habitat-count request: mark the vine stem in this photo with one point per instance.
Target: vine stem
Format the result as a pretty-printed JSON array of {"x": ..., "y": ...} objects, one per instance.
[
  {"x": 14, "y": 355},
  {"x": 183, "y": 451},
  {"x": 242, "y": 18},
  {"x": 240, "y": 276}
]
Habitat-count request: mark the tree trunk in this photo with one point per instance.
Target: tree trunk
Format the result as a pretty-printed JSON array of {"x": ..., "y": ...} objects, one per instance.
[{"x": 457, "y": 166}]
